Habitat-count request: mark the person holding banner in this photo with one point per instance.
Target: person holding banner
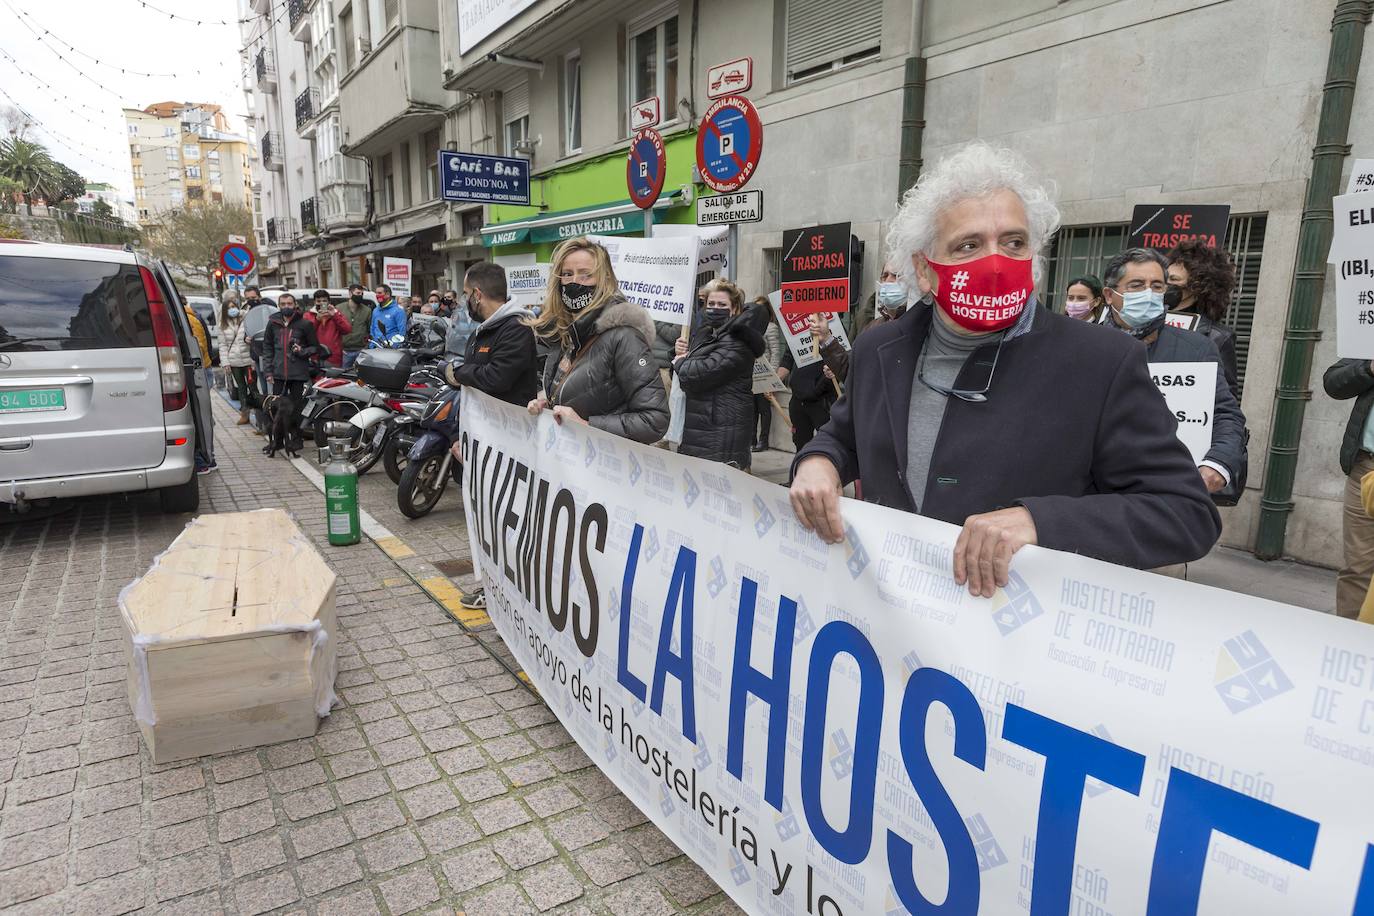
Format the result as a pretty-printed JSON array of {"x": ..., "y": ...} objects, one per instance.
[
  {"x": 1353, "y": 379},
  {"x": 1200, "y": 281},
  {"x": 604, "y": 372},
  {"x": 500, "y": 357},
  {"x": 990, "y": 412},
  {"x": 1135, "y": 287},
  {"x": 716, "y": 371}
]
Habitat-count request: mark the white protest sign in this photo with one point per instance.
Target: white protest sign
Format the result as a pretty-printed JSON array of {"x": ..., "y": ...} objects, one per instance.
[
  {"x": 1352, "y": 255},
  {"x": 658, "y": 273},
  {"x": 713, "y": 248},
  {"x": 1184, "y": 321},
  {"x": 842, "y": 729},
  {"x": 766, "y": 378},
  {"x": 1190, "y": 390},
  {"x": 396, "y": 274},
  {"x": 1361, "y": 177},
  {"x": 797, "y": 331},
  {"x": 527, "y": 285}
]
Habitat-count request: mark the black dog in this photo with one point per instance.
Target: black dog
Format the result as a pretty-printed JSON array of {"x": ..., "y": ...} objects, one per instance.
[{"x": 285, "y": 430}]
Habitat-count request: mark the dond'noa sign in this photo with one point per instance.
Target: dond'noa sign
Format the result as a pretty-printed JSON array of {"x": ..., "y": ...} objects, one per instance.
[
  {"x": 841, "y": 729},
  {"x": 484, "y": 179},
  {"x": 815, "y": 269}
]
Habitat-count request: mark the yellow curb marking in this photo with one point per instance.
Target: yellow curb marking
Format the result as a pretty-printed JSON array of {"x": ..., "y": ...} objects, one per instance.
[
  {"x": 394, "y": 547},
  {"x": 395, "y": 582}
]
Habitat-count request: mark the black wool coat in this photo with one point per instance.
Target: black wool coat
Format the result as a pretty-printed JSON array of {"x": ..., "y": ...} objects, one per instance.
[
  {"x": 1073, "y": 430},
  {"x": 717, "y": 375}
]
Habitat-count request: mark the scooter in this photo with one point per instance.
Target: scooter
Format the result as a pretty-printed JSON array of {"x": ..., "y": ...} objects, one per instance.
[{"x": 430, "y": 462}]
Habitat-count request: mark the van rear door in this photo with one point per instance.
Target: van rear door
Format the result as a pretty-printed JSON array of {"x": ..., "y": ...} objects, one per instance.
[{"x": 79, "y": 385}]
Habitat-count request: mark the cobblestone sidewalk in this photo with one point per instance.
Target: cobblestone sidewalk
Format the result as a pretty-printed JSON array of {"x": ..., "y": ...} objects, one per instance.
[{"x": 439, "y": 783}]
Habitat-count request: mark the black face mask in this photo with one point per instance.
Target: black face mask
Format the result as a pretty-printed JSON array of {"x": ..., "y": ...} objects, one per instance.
[
  {"x": 715, "y": 317},
  {"x": 288, "y": 312},
  {"x": 577, "y": 296},
  {"x": 357, "y": 297},
  {"x": 1173, "y": 296}
]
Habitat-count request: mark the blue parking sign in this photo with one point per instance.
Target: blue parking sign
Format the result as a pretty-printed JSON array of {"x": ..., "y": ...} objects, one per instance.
[{"x": 484, "y": 179}]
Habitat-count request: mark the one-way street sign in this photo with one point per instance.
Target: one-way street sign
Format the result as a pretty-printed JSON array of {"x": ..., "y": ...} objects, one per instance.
[{"x": 723, "y": 209}]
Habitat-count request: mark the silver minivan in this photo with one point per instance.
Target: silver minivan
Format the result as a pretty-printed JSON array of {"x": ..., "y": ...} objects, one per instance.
[{"x": 98, "y": 377}]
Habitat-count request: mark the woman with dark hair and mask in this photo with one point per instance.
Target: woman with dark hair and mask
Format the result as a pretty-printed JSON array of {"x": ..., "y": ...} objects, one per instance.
[
  {"x": 1201, "y": 280},
  {"x": 1083, "y": 299},
  {"x": 603, "y": 372},
  {"x": 716, "y": 372}
]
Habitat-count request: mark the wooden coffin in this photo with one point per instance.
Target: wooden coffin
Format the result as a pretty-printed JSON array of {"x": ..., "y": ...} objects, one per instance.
[{"x": 230, "y": 637}]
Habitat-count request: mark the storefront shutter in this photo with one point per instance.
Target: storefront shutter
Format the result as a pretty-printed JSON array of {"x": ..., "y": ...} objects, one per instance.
[
  {"x": 515, "y": 102},
  {"x": 820, "y": 32}
]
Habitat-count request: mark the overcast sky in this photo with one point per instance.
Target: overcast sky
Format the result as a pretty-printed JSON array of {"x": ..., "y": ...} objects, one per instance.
[{"x": 85, "y": 130}]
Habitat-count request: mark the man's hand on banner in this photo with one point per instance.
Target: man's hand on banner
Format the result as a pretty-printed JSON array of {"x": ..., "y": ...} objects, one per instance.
[
  {"x": 816, "y": 498},
  {"x": 536, "y": 406},
  {"x": 983, "y": 552},
  {"x": 563, "y": 412}
]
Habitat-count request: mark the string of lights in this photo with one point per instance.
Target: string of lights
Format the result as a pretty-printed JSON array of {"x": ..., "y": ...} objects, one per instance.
[
  {"x": 51, "y": 90},
  {"x": 180, "y": 18},
  {"x": 42, "y": 33}
]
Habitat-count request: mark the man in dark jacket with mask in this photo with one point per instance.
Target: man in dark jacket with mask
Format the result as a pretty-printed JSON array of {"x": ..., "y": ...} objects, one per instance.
[
  {"x": 287, "y": 346},
  {"x": 992, "y": 413},
  {"x": 1347, "y": 379},
  {"x": 358, "y": 311},
  {"x": 500, "y": 357}
]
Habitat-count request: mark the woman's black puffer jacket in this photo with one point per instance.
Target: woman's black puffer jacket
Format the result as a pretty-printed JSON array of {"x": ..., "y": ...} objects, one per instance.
[
  {"x": 607, "y": 373},
  {"x": 717, "y": 375}
]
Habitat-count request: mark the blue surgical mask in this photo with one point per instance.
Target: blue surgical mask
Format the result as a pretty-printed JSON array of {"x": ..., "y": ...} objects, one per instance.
[
  {"x": 1140, "y": 307},
  {"x": 233, "y": 313},
  {"x": 891, "y": 295}
]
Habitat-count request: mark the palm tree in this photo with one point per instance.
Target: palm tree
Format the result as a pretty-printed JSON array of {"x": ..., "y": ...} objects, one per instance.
[{"x": 28, "y": 164}]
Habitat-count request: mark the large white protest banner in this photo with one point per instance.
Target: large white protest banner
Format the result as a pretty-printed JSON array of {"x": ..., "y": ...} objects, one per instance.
[
  {"x": 713, "y": 248},
  {"x": 1190, "y": 390},
  {"x": 796, "y": 329},
  {"x": 1352, "y": 256},
  {"x": 658, "y": 273},
  {"x": 833, "y": 729}
]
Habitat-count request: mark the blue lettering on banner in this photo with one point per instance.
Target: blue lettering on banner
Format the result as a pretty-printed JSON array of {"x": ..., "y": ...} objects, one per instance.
[{"x": 774, "y": 717}]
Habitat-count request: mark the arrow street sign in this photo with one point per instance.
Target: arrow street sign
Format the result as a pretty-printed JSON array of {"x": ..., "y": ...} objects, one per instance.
[{"x": 723, "y": 209}]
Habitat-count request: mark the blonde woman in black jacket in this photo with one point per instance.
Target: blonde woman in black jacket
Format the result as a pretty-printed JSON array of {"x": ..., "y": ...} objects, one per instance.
[{"x": 603, "y": 373}]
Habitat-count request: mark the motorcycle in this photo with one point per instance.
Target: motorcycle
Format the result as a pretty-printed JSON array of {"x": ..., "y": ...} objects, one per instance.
[{"x": 430, "y": 463}]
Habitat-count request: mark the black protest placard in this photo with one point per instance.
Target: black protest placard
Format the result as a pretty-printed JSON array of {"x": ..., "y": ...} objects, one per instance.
[
  {"x": 815, "y": 269},
  {"x": 1162, "y": 226}
]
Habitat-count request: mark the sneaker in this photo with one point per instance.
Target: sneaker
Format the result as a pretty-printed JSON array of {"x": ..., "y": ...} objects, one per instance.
[
  {"x": 203, "y": 469},
  {"x": 475, "y": 600}
]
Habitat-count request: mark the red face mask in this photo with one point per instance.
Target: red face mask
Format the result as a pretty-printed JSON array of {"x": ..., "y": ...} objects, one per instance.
[{"x": 987, "y": 294}]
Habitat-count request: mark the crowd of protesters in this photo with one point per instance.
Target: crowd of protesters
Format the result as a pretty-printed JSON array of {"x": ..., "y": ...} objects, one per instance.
[{"x": 954, "y": 392}]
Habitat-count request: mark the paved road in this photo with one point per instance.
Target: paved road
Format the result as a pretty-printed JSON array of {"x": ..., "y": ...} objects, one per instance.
[{"x": 440, "y": 781}]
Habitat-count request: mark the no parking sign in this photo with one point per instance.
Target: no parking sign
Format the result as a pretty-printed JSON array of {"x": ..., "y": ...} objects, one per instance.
[
  {"x": 645, "y": 167},
  {"x": 729, "y": 143}
]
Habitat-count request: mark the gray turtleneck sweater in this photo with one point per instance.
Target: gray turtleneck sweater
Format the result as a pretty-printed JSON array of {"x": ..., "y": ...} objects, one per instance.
[{"x": 944, "y": 356}]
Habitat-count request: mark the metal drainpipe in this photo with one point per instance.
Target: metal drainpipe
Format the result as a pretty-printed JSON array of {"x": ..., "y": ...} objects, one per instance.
[
  {"x": 913, "y": 107},
  {"x": 1309, "y": 276}
]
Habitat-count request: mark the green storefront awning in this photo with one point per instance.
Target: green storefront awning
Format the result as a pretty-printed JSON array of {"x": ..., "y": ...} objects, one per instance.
[{"x": 614, "y": 218}]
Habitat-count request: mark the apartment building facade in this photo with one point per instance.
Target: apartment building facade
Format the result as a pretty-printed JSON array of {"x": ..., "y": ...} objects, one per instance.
[{"x": 184, "y": 153}]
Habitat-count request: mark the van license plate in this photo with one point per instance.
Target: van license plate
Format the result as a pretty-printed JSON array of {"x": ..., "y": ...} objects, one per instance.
[{"x": 33, "y": 399}]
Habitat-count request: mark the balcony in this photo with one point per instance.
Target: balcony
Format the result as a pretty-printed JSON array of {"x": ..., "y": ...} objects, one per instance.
[
  {"x": 307, "y": 107},
  {"x": 309, "y": 224},
  {"x": 266, "y": 71},
  {"x": 272, "y": 150},
  {"x": 298, "y": 15},
  {"x": 281, "y": 231},
  {"x": 395, "y": 93}
]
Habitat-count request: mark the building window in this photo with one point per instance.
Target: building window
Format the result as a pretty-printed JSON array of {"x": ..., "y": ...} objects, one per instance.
[
  {"x": 176, "y": 198},
  {"x": 192, "y": 171},
  {"x": 215, "y": 176},
  {"x": 173, "y": 174},
  {"x": 133, "y": 130},
  {"x": 431, "y": 148},
  {"x": 772, "y": 268},
  {"x": 653, "y": 66},
  {"x": 392, "y": 13},
  {"x": 1079, "y": 250},
  {"x": 212, "y": 155},
  {"x": 349, "y": 46},
  {"x": 572, "y": 103},
  {"x": 817, "y": 41},
  {"x": 405, "y": 175},
  {"x": 388, "y": 188},
  {"x": 195, "y": 193},
  {"x": 169, "y": 132},
  {"x": 190, "y": 150},
  {"x": 517, "y": 132}
]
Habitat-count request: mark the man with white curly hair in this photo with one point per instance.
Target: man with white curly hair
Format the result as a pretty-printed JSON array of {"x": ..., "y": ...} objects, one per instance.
[{"x": 981, "y": 408}]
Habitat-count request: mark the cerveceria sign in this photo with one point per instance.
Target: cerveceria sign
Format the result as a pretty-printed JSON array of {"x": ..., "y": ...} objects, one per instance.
[{"x": 815, "y": 269}]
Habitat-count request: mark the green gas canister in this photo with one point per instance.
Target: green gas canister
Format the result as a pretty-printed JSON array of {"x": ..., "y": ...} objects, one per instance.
[{"x": 341, "y": 495}]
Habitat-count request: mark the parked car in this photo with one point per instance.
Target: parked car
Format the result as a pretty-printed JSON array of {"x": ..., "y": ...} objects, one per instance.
[{"x": 99, "y": 388}]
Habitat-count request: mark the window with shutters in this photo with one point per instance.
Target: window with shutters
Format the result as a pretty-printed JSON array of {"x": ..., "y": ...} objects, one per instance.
[
  {"x": 431, "y": 152},
  {"x": 572, "y": 103},
  {"x": 346, "y": 42},
  {"x": 515, "y": 115},
  {"x": 822, "y": 36},
  {"x": 1079, "y": 250},
  {"x": 653, "y": 61},
  {"x": 772, "y": 269}
]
